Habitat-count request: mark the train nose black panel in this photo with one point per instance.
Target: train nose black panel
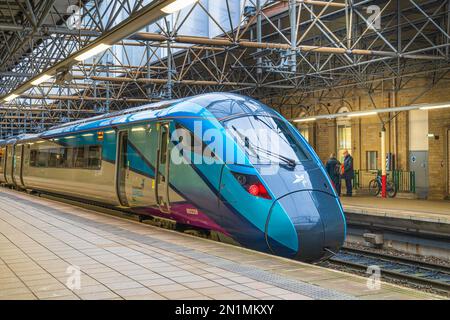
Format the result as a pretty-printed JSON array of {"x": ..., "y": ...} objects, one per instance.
[
  {"x": 332, "y": 218},
  {"x": 318, "y": 222},
  {"x": 306, "y": 220}
]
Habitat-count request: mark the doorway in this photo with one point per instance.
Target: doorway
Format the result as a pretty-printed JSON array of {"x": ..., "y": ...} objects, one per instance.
[
  {"x": 418, "y": 162},
  {"x": 123, "y": 168},
  {"x": 162, "y": 170},
  {"x": 448, "y": 163}
]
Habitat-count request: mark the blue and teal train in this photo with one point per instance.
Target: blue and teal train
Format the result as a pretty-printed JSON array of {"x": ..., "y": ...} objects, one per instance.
[{"x": 218, "y": 161}]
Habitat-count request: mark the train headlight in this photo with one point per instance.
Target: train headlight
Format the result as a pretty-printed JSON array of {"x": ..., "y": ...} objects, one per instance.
[{"x": 252, "y": 185}]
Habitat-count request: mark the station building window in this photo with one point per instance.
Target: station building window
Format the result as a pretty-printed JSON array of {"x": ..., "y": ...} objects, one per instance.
[
  {"x": 304, "y": 131},
  {"x": 372, "y": 160},
  {"x": 344, "y": 134}
]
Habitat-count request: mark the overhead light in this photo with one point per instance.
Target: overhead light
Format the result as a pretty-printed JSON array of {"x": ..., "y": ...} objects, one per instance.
[
  {"x": 435, "y": 107},
  {"x": 305, "y": 120},
  {"x": 110, "y": 131},
  {"x": 138, "y": 129},
  {"x": 41, "y": 79},
  {"x": 177, "y": 5},
  {"x": 92, "y": 52},
  {"x": 12, "y": 96},
  {"x": 362, "y": 114},
  {"x": 88, "y": 135}
]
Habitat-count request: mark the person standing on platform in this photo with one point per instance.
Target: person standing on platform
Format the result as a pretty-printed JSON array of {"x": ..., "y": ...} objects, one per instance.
[
  {"x": 333, "y": 167},
  {"x": 349, "y": 173}
]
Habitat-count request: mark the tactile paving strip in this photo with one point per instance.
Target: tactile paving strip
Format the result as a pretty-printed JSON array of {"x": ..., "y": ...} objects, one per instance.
[{"x": 306, "y": 289}]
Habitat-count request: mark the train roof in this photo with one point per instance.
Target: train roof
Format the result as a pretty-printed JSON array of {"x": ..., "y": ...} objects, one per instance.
[{"x": 220, "y": 105}]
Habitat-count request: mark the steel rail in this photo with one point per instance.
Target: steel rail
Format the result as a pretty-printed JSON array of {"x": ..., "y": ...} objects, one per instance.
[{"x": 397, "y": 275}]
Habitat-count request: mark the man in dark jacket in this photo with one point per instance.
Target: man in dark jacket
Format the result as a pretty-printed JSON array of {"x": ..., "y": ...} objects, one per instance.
[
  {"x": 349, "y": 173},
  {"x": 333, "y": 167}
]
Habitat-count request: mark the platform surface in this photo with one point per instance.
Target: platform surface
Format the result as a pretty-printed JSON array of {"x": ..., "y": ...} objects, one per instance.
[
  {"x": 422, "y": 210},
  {"x": 43, "y": 242}
]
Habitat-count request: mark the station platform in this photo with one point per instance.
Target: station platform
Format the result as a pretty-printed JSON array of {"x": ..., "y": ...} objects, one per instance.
[
  {"x": 419, "y": 210},
  {"x": 43, "y": 241}
]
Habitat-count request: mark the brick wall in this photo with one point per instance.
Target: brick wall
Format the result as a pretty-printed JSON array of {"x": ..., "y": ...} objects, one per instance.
[{"x": 366, "y": 130}]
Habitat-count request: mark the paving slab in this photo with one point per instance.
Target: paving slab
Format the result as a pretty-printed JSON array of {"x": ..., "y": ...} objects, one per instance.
[{"x": 47, "y": 246}]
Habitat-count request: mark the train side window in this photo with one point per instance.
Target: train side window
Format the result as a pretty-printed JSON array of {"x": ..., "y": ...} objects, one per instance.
[
  {"x": 68, "y": 157},
  {"x": 86, "y": 157},
  {"x": 94, "y": 157},
  {"x": 53, "y": 158},
  {"x": 61, "y": 158},
  {"x": 186, "y": 137},
  {"x": 42, "y": 158},
  {"x": 78, "y": 158},
  {"x": 33, "y": 158}
]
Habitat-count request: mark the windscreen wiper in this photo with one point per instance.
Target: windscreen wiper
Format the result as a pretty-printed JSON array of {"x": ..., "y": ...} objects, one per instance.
[{"x": 290, "y": 162}]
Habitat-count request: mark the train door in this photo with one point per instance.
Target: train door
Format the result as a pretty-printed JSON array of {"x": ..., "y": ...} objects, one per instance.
[
  {"x": 9, "y": 163},
  {"x": 5, "y": 161},
  {"x": 2, "y": 164},
  {"x": 122, "y": 167},
  {"x": 162, "y": 169},
  {"x": 448, "y": 163},
  {"x": 18, "y": 165}
]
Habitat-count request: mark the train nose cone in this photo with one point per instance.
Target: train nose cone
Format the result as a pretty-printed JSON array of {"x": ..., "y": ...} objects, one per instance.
[{"x": 304, "y": 225}]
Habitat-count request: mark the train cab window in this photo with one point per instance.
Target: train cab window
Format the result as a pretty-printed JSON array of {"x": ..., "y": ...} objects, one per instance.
[
  {"x": 267, "y": 139},
  {"x": 224, "y": 105}
]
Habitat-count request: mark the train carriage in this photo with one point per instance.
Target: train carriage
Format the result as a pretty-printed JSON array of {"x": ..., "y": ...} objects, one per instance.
[{"x": 127, "y": 159}]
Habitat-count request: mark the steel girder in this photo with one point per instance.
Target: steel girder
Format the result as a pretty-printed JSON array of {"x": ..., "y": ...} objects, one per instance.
[{"x": 290, "y": 49}]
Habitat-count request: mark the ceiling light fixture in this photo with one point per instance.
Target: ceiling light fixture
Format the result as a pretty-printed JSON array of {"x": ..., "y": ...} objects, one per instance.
[
  {"x": 435, "y": 107},
  {"x": 362, "y": 114},
  {"x": 92, "y": 52},
  {"x": 177, "y": 5},
  {"x": 10, "y": 97},
  {"x": 41, "y": 79},
  {"x": 305, "y": 120}
]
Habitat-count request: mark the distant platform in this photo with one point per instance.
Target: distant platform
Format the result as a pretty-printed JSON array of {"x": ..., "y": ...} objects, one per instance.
[
  {"x": 420, "y": 210},
  {"x": 43, "y": 244}
]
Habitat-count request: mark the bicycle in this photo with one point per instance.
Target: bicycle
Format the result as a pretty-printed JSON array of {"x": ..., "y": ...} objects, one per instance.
[{"x": 375, "y": 187}]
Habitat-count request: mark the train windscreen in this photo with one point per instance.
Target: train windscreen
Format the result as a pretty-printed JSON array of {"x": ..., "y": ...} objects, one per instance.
[
  {"x": 267, "y": 139},
  {"x": 223, "y": 106}
]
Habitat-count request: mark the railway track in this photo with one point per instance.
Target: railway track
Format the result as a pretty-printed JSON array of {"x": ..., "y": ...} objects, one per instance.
[{"x": 401, "y": 269}]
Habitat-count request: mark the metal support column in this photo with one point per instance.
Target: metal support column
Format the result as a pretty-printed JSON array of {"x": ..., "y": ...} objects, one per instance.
[
  {"x": 258, "y": 35},
  {"x": 293, "y": 23},
  {"x": 383, "y": 162}
]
